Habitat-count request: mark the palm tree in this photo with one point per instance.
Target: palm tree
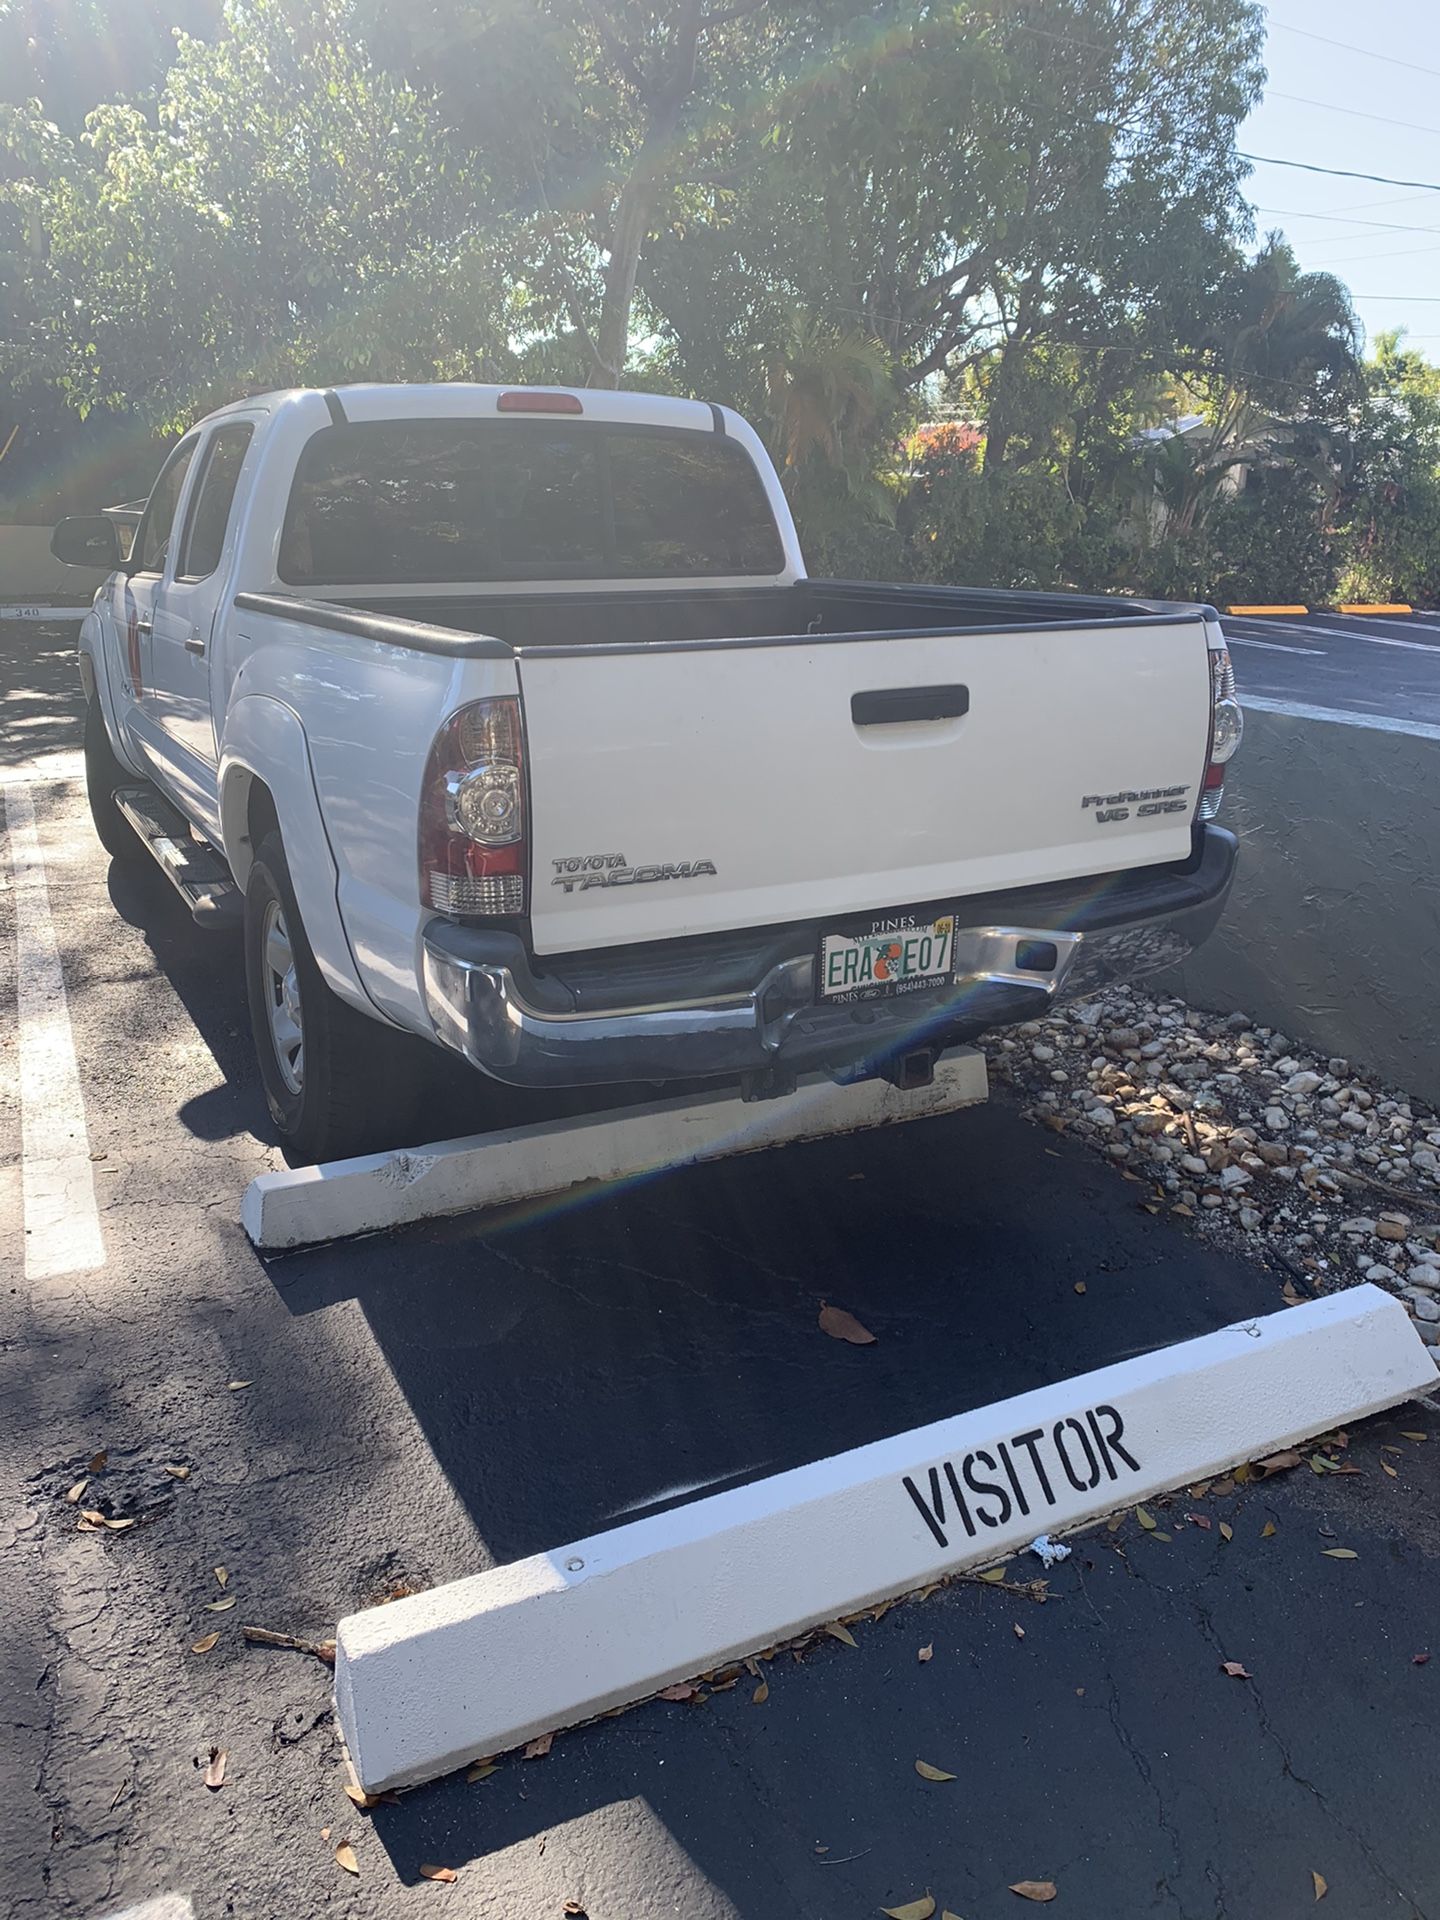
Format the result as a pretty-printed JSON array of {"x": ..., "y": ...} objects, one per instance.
[{"x": 1286, "y": 360}]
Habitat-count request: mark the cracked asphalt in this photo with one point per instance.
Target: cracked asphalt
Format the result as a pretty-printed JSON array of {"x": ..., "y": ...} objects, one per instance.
[{"x": 427, "y": 1404}]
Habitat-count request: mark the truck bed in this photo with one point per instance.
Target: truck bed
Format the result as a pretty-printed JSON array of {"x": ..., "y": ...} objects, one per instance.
[{"x": 810, "y": 607}]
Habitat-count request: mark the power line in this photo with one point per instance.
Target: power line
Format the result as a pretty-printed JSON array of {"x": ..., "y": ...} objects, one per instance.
[
  {"x": 1343, "y": 220},
  {"x": 1410, "y": 299},
  {"x": 1347, "y": 47},
  {"x": 1355, "y": 113},
  {"x": 1364, "y": 259},
  {"x": 1339, "y": 173}
]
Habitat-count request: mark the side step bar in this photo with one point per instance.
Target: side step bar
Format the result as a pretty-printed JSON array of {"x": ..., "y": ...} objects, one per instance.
[{"x": 196, "y": 871}]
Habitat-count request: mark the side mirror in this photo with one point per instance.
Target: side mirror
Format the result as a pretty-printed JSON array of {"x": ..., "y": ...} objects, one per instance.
[{"x": 87, "y": 540}]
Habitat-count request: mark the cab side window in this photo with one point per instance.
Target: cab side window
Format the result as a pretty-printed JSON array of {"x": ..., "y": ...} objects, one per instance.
[
  {"x": 153, "y": 540},
  {"x": 210, "y": 514}
]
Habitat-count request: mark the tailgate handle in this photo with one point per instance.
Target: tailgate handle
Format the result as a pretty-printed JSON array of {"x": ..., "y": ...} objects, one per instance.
[{"x": 891, "y": 705}]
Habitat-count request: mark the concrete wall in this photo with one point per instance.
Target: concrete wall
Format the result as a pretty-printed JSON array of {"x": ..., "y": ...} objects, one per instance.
[
  {"x": 29, "y": 571},
  {"x": 1333, "y": 929}
]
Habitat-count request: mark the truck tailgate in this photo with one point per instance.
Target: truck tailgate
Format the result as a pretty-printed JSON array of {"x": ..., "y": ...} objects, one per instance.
[{"x": 693, "y": 788}]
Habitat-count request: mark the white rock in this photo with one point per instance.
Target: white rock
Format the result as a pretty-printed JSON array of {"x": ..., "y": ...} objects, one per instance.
[
  {"x": 1426, "y": 1306},
  {"x": 1277, "y": 1119},
  {"x": 1233, "y": 1178},
  {"x": 1042, "y": 1053},
  {"x": 1380, "y": 1273},
  {"x": 1303, "y": 1083}
]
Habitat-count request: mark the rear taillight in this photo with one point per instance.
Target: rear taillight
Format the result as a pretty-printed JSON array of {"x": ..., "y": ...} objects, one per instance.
[
  {"x": 472, "y": 813},
  {"x": 1227, "y": 727}
]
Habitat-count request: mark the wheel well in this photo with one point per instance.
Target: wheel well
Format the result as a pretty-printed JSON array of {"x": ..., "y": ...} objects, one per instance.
[
  {"x": 247, "y": 814},
  {"x": 261, "y": 816}
]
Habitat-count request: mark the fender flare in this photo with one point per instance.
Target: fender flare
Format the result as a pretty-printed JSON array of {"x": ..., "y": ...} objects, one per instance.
[
  {"x": 265, "y": 741},
  {"x": 94, "y": 668}
]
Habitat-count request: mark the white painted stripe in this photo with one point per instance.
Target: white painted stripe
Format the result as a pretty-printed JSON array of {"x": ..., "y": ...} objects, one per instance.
[
  {"x": 346, "y": 1197},
  {"x": 1380, "y": 640},
  {"x": 1381, "y": 722},
  {"x": 483, "y": 1664},
  {"x": 1271, "y": 646},
  {"x": 169, "y": 1906},
  {"x": 62, "y": 1227}
]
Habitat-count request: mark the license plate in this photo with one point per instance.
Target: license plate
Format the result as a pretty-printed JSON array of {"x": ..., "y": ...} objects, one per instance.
[{"x": 896, "y": 953}]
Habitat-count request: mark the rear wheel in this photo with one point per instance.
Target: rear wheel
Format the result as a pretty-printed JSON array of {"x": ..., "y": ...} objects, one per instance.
[
  {"x": 336, "y": 1082},
  {"x": 103, "y": 774}
]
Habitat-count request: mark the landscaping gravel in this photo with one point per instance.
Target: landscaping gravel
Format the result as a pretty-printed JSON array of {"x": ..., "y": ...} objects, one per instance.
[{"x": 1309, "y": 1160}]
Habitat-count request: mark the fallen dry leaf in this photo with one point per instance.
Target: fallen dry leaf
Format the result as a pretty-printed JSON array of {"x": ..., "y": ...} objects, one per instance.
[
  {"x": 842, "y": 1634},
  {"x": 573, "y": 1908},
  {"x": 1268, "y": 1530},
  {"x": 992, "y": 1574},
  {"x": 178, "y": 1473},
  {"x": 345, "y": 1857},
  {"x": 841, "y": 1325},
  {"x": 481, "y": 1770},
  {"x": 1041, "y": 1890},
  {"x": 927, "y": 1772},
  {"x": 365, "y": 1801},
  {"x": 1320, "y": 1884},
  {"x": 1018, "y": 1631},
  {"x": 682, "y": 1692},
  {"x": 926, "y": 1653},
  {"x": 325, "y": 1833},
  {"x": 93, "y": 1515},
  {"x": 75, "y": 1492},
  {"x": 539, "y": 1747},
  {"x": 1419, "y": 1659},
  {"x": 1235, "y": 1670},
  {"x": 1340, "y": 1553},
  {"x": 222, "y": 1574},
  {"x": 1147, "y": 1520},
  {"x": 761, "y": 1694},
  {"x": 118, "y": 1526},
  {"x": 205, "y": 1643},
  {"x": 220, "y": 1606},
  {"x": 215, "y": 1772},
  {"x": 239, "y": 1386},
  {"x": 1080, "y": 1286},
  {"x": 1291, "y": 1295},
  {"x": 1405, "y": 1434},
  {"x": 920, "y": 1909},
  {"x": 100, "y": 1462},
  {"x": 1387, "y": 1468},
  {"x": 445, "y": 1875},
  {"x": 1277, "y": 1463},
  {"x": 1227, "y": 1532},
  {"x": 1158, "y": 1535}
]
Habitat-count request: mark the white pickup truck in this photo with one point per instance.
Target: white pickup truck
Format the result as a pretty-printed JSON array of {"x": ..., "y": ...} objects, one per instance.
[{"x": 509, "y": 719}]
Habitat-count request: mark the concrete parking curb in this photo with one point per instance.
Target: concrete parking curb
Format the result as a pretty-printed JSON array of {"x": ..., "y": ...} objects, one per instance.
[
  {"x": 484, "y": 1664},
  {"x": 308, "y": 1204}
]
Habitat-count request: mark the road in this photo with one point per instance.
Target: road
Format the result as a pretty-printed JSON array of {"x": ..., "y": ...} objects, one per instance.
[
  {"x": 358, "y": 1420},
  {"x": 1383, "y": 668}
]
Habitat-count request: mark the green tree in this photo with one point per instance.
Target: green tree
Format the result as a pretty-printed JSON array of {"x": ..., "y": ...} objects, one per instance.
[{"x": 284, "y": 212}]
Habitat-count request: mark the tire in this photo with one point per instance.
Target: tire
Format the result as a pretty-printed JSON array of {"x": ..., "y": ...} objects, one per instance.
[
  {"x": 103, "y": 774},
  {"x": 336, "y": 1081}
]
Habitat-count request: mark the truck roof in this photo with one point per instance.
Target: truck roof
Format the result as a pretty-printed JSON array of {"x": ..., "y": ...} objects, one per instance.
[{"x": 455, "y": 399}]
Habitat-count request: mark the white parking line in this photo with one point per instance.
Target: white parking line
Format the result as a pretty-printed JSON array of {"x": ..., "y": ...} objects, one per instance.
[
  {"x": 1270, "y": 646},
  {"x": 57, "y": 1184},
  {"x": 1377, "y": 639},
  {"x": 1383, "y": 722}
]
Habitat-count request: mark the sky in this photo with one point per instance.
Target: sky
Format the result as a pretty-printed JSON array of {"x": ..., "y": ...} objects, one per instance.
[{"x": 1386, "y": 78}]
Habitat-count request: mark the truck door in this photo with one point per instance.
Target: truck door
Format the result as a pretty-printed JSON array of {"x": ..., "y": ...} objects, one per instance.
[
  {"x": 136, "y": 593},
  {"x": 186, "y": 607}
]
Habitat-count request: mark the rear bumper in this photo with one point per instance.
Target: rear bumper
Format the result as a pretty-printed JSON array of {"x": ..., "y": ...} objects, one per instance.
[{"x": 745, "y": 1005}]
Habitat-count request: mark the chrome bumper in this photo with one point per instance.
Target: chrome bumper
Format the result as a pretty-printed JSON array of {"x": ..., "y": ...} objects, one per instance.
[{"x": 486, "y": 1002}]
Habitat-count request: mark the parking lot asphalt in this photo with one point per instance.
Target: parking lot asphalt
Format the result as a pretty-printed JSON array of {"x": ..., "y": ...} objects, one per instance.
[
  {"x": 356, "y": 1421},
  {"x": 1382, "y": 668}
]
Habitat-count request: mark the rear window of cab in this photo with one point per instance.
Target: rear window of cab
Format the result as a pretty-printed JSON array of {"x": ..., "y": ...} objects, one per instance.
[{"x": 392, "y": 502}]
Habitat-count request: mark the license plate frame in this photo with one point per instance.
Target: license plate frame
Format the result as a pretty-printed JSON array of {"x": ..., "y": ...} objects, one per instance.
[{"x": 879, "y": 947}]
